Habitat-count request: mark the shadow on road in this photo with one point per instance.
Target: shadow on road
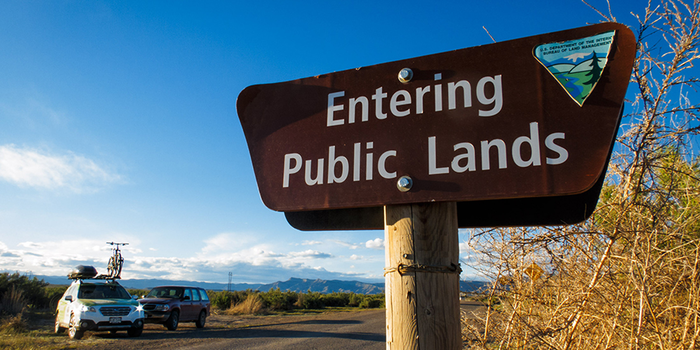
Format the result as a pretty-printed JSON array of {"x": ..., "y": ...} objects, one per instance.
[
  {"x": 247, "y": 332},
  {"x": 264, "y": 330}
]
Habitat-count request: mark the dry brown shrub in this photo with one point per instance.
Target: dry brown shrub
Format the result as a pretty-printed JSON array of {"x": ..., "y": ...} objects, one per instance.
[
  {"x": 13, "y": 325},
  {"x": 629, "y": 277},
  {"x": 252, "y": 305}
]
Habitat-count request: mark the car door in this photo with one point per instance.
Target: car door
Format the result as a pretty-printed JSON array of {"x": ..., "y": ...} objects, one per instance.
[
  {"x": 196, "y": 303},
  {"x": 63, "y": 307},
  {"x": 186, "y": 306}
]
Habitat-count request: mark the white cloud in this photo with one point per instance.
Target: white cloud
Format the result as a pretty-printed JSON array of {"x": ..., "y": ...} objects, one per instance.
[
  {"x": 349, "y": 245},
  {"x": 376, "y": 243},
  {"x": 310, "y": 254},
  {"x": 258, "y": 256},
  {"x": 227, "y": 242},
  {"x": 26, "y": 167},
  {"x": 355, "y": 257},
  {"x": 311, "y": 243},
  {"x": 464, "y": 248}
]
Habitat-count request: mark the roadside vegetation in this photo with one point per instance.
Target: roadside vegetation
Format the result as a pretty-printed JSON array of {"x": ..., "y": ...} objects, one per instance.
[
  {"x": 629, "y": 277},
  {"x": 255, "y": 302}
]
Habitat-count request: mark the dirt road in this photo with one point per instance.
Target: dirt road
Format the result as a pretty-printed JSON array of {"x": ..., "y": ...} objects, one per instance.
[{"x": 334, "y": 330}]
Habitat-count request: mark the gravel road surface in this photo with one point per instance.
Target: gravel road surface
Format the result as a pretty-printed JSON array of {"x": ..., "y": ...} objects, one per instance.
[{"x": 333, "y": 330}]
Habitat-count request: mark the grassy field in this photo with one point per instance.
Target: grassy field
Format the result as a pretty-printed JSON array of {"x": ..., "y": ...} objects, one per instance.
[{"x": 32, "y": 330}]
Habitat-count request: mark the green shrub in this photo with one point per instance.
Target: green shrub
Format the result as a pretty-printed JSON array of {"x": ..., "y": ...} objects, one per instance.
[
  {"x": 309, "y": 300},
  {"x": 13, "y": 302},
  {"x": 372, "y": 301},
  {"x": 275, "y": 299},
  {"x": 138, "y": 292},
  {"x": 355, "y": 299},
  {"x": 32, "y": 288},
  {"x": 336, "y": 299}
]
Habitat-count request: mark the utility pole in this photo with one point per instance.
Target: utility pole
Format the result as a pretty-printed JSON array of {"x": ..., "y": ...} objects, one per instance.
[{"x": 230, "y": 277}]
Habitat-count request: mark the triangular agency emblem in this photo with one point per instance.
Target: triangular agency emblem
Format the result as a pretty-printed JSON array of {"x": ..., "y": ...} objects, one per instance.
[{"x": 577, "y": 64}]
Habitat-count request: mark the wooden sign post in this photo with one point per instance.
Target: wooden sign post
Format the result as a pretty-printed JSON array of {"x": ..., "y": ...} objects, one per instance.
[
  {"x": 422, "y": 276},
  {"x": 517, "y": 133}
]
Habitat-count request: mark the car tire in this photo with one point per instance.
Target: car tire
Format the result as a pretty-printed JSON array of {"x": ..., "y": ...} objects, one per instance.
[
  {"x": 201, "y": 320},
  {"x": 134, "y": 332},
  {"x": 57, "y": 327},
  {"x": 73, "y": 331},
  {"x": 172, "y": 321}
]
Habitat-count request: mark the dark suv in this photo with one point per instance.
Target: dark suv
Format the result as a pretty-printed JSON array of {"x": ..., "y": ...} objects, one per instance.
[{"x": 170, "y": 305}]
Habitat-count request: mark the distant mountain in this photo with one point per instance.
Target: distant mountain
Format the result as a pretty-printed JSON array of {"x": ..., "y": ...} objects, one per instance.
[
  {"x": 323, "y": 286},
  {"x": 293, "y": 284},
  {"x": 472, "y": 286}
]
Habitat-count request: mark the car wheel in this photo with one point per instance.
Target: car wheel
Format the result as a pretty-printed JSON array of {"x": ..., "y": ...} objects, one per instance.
[
  {"x": 73, "y": 331},
  {"x": 134, "y": 332},
  {"x": 201, "y": 320},
  {"x": 172, "y": 321},
  {"x": 57, "y": 326}
]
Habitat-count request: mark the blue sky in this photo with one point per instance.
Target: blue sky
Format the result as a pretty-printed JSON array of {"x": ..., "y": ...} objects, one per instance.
[{"x": 118, "y": 123}]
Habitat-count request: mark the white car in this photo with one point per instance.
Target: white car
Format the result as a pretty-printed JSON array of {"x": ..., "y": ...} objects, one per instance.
[{"x": 98, "y": 305}]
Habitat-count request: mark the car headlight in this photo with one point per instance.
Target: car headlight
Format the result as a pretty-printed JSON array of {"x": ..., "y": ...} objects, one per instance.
[
  {"x": 85, "y": 308},
  {"x": 162, "y": 307}
]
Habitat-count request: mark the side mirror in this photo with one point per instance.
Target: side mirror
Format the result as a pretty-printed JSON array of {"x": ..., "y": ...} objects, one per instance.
[
  {"x": 135, "y": 297},
  {"x": 187, "y": 297},
  {"x": 69, "y": 298}
]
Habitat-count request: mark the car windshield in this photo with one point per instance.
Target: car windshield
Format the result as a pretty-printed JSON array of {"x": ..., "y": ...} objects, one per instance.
[
  {"x": 103, "y": 291},
  {"x": 166, "y": 292}
]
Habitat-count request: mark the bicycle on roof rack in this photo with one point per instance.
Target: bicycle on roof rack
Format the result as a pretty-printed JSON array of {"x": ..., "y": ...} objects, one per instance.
[
  {"x": 114, "y": 267},
  {"x": 116, "y": 261}
]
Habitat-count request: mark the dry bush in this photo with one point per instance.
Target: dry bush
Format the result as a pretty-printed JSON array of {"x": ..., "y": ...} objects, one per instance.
[
  {"x": 13, "y": 325},
  {"x": 13, "y": 302},
  {"x": 252, "y": 305},
  {"x": 629, "y": 277}
]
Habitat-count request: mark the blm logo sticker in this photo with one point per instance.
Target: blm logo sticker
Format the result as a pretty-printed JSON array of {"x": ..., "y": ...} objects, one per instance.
[{"x": 577, "y": 64}]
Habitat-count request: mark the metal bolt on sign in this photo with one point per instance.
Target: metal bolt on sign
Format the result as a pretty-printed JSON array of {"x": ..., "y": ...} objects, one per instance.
[
  {"x": 405, "y": 75},
  {"x": 404, "y": 184}
]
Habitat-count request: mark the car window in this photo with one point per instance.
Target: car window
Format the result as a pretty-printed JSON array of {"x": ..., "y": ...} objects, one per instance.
[
  {"x": 102, "y": 291},
  {"x": 195, "y": 295},
  {"x": 72, "y": 291},
  {"x": 165, "y": 292},
  {"x": 205, "y": 297},
  {"x": 188, "y": 293},
  {"x": 175, "y": 293}
]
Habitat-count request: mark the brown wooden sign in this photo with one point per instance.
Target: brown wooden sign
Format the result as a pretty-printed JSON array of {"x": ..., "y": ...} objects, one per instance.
[{"x": 528, "y": 118}]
